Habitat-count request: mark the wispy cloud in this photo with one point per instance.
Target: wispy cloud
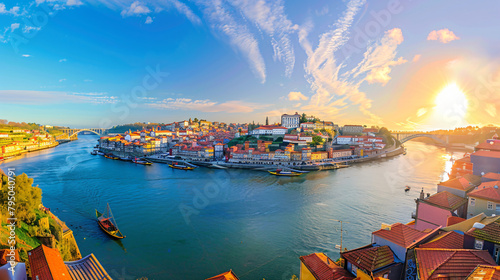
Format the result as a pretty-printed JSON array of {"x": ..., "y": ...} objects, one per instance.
[
  {"x": 149, "y": 20},
  {"x": 335, "y": 88},
  {"x": 444, "y": 36},
  {"x": 417, "y": 57},
  {"x": 14, "y": 26},
  {"x": 271, "y": 18},
  {"x": 296, "y": 96},
  {"x": 137, "y": 8},
  {"x": 62, "y": 80},
  {"x": 74, "y": 3},
  {"x": 239, "y": 35},
  {"x": 205, "y": 105},
  {"x": 26, "y": 55},
  {"x": 28, "y": 97},
  {"x": 63, "y": 60},
  {"x": 13, "y": 11}
]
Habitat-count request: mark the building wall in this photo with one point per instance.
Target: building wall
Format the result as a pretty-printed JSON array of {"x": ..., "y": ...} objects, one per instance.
[
  {"x": 431, "y": 217},
  {"x": 305, "y": 274},
  {"x": 484, "y": 164},
  {"x": 481, "y": 206}
]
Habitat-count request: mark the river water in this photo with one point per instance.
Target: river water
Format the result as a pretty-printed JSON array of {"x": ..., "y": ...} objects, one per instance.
[{"x": 196, "y": 224}]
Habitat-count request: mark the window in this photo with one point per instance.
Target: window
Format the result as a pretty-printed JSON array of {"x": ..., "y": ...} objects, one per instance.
[
  {"x": 498, "y": 207},
  {"x": 354, "y": 270},
  {"x": 479, "y": 244},
  {"x": 496, "y": 253},
  {"x": 472, "y": 201},
  {"x": 490, "y": 205}
]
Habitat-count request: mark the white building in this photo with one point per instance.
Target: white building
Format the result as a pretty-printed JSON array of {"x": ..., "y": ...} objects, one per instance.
[
  {"x": 344, "y": 140},
  {"x": 290, "y": 121},
  {"x": 270, "y": 130}
]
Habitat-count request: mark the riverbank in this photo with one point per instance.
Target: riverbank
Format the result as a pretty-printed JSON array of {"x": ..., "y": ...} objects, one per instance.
[{"x": 19, "y": 154}]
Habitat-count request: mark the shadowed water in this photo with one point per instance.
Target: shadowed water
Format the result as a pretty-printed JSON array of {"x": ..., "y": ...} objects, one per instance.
[{"x": 249, "y": 221}]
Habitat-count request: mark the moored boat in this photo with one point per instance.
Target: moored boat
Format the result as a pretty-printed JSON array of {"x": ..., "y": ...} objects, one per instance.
[
  {"x": 139, "y": 161},
  {"x": 280, "y": 172},
  {"x": 407, "y": 188},
  {"x": 180, "y": 166},
  {"x": 126, "y": 158},
  {"x": 108, "y": 224},
  {"x": 94, "y": 152},
  {"x": 111, "y": 156}
]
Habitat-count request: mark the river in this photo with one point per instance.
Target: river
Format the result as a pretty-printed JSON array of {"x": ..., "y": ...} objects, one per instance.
[{"x": 196, "y": 224}]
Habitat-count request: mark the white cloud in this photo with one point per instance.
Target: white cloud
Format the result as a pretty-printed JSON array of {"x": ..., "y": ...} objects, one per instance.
[
  {"x": 185, "y": 10},
  {"x": 87, "y": 81},
  {"x": 271, "y": 18},
  {"x": 54, "y": 97},
  {"x": 26, "y": 55},
  {"x": 149, "y": 20},
  {"x": 62, "y": 80},
  {"x": 417, "y": 57},
  {"x": 444, "y": 36},
  {"x": 74, "y": 3},
  {"x": 14, "y": 26},
  {"x": 238, "y": 34},
  {"x": 63, "y": 60},
  {"x": 28, "y": 29},
  {"x": 296, "y": 96},
  {"x": 137, "y": 8},
  {"x": 13, "y": 11}
]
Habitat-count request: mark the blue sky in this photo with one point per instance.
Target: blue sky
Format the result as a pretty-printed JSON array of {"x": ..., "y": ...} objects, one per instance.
[{"x": 99, "y": 63}]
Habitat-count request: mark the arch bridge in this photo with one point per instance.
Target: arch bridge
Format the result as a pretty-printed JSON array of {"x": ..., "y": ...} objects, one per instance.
[
  {"x": 74, "y": 131},
  {"x": 405, "y": 137}
]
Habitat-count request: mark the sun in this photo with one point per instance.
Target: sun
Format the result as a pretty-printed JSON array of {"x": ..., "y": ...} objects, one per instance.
[{"x": 451, "y": 102}]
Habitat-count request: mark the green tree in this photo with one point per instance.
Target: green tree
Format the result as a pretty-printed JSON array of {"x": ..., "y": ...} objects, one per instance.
[
  {"x": 317, "y": 140},
  {"x": 27, "y": 197},
  {"x": 303, "y": 118}
]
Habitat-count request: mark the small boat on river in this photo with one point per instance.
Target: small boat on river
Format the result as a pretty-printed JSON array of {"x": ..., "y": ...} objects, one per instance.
[
  {"x": 139, "y": 161},
  {"x": 280, "y": 172},
  {"x": 108, "y": 224},
  {"x": 111, "y": 156},
  {"x": 180, "y": 166}
]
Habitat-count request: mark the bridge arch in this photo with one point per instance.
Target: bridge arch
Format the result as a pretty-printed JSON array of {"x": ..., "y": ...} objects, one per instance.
[
  {"x": 434, "y": 137},
  {"x": 82, "y": 130}
]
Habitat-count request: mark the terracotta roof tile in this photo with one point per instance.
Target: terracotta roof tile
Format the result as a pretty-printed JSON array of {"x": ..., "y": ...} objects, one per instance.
[
  {"x": 490, "y": 154},
  {"x": 400, "y": 234},
  {"x": 446, "y": 240},
  {"x": 487, "y": 190},
  {"x": 491, "y": 175},
  {"x": 458, "y": 183},
  {"x": 494, "y": 146},
  {"x": 490, "y": 232},
  {"x": 323, "y": 268},
  {"x": 451, "y": 264},
  {"x": 370, "y": 258},
  {"x": 47, "y": 264},
  {"x": 485, "y": 272},
  {"x": 446, "y": 200}
]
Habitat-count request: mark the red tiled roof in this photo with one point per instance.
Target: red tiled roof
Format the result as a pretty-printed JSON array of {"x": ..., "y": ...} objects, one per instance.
[
  {"x": 491, "y": 175},
  {"x": 323, "y": 268},
  {"x": 451, "y": 264},
  {"x": 228, "y": 275},
  {"x": 458, "y": 183},
  {"x": 487, "y": 146},
  {"x": 490, "y": 154},
  {"x": 446, "y": 240},
  {"x": 370, "y": 258},
  {"x": 446, "y": 200},
  {"x": 490, "y": 232},
  {"x": 47, "y": 264},
  {"x": 485, "y": 272},
  {"x": 400, "y": 234},
  {"x": 487, "y": 190}
]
